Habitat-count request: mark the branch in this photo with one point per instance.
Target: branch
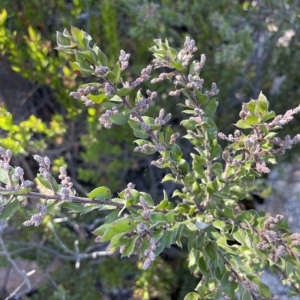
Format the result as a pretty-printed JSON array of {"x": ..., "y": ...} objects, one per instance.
[{"x": 73, "y": 199}]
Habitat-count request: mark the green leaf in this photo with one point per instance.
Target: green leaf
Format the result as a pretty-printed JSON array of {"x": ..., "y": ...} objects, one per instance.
[
  {"x": 110, "y": 76},
  {"x": 189, "y": 124},
  {"x": 202, "y": 99},
  {"x": 61, "y": 40},
  {"x": 101, "y": 57},
  {"x": 212, "y": 130},
  {"x": 101, "y": 229},
  {"x": 198, "y": 167},
  {"x": 161, "y": 245},
  {"x": 100, "y": 193},
  {"x": 252, "y": 120},
  {"x": 212, "y": 187},
  {"x": 147, "y": 197},
  {"x": 135, "y": 125},
  {"x": 116, "y": 98},
  {"x": 124, "y": 92},
  {"x": 178, "y": 66},
  {"x": 130, "y": 247},
  {"x": 263, "y": 128},
  {"x": 176, "y": 152},
  {"x": 170, "y": 217},
  {"x": 183, "y": 166},
  {"x": 215, "y": 149},
  {"x": 88, "y": 57},
  {"x": 173, "y": 53},
  {"x": 192, "y": 296},
  {"x": 243, "y": 124},
  {"x": 169, "y": 177},
  {"x": 155, "y": 217},
  {"x": 149, "y": 150},
  {"x": 98, "y": 98},
  {"x": 163, "y": 204},
  {"x": 43, "y": 181},
  {"x": 120, "y": 118},
  {"x": 116, "y": 71},
  {"x": 75, "y": 207},
  {"x": 268, "y": 116},
  {"x": 219, "y": 224},
  {"x": 118, "y": 240},
  {"x": 229, "y": 287},
  {"x": 217, "y": 169},
  {"x": 81, "y": 71},
  {"x": 150, "y": 121},
  {"x": 118, "y": 226},
  {"x": 111, "y": 217},
  {"x": 140, "y": 133},
  {"x": 9, "y": 209},
  {"x": 81, "y": 38},
  {"x": 211, "y": 108},
  {"x": 169, "y": 237},
  {"x": 4, "y": 178}
]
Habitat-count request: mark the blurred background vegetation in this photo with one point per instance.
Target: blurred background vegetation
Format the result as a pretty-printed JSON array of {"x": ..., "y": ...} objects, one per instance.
[{"x": 250, "y": 46}]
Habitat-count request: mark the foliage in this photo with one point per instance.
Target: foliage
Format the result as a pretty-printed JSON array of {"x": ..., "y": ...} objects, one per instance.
[
  {"x": 227, "y": 248},
  {"x": 250, "y": 46}
]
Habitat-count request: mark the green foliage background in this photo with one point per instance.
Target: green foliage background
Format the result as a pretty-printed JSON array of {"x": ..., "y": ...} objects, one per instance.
[{"x": 249, "y": 46}]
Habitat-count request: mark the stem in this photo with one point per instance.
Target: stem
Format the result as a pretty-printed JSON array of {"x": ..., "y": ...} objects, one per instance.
[
  {"x": 236, "y": 274},
  {"x": 206, "y": 142},
  {"x": 73, "y": 199},
  {"x": 137, "y": 115},
  {"x": 287, "y": 277}
]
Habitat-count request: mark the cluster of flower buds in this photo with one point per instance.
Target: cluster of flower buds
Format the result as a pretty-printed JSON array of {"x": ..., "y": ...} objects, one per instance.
[
  {"x": 198, "y": 112},
  {"x": 101, "y": 70},
  {"x": 200, "y": 64},
  {"x": 161, "y": 77},
  {"x": 250, "y": 286},
  {"x": 282, "y": 120},
  {"x": 295, "y": 237},
  {"x": 82, "y": 93},
  {"x": 44, "y": 165},
  {"x": 176, "y": 92},
  {"x": 186, "y": 53},
  {"x": 149, "y": 253},
  {"x": 19, "y": 174},
  {"x": 214, "y": 90},
  {"x": 123, "y": 58},
  {"x": 145, "y": 75},
  {"x": 128, "y": 189},
  {"x": 143, "y": 104},
  {"x": 195, "y": 82},
  {"x": 284, "y": 144},
  {"x": 104, "y": 118},
  {"x": 6, "y": 155},
  {"x": 244, "y": 113},
  {"x": 157, "y": 163},
  {"x": 37, "y": 218},
  {"x": 109, "y": 89},
  {"x": 252, "y": 151},
  {"x": 174, "y": 137},
  {"x": 66, "y": 191},
  {"x": 158, "y": 147},
  {"x": 146, "y": 211},
  {"x": 162, "y": 119},
  {"x": 269, "y": 238},
  {"x": 189, "y": 103}
]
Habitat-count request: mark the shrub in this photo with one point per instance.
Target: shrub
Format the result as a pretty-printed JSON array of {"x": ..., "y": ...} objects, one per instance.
[{"x": 228, "y": 248}]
